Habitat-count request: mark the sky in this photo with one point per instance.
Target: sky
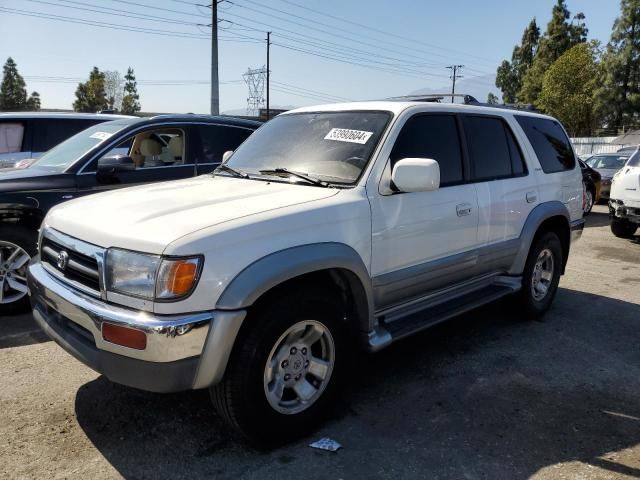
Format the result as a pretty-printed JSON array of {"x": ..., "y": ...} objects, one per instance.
[{"x": 322, "y": 51}]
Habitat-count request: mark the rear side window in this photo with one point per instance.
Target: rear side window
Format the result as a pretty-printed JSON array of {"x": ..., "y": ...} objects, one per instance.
[
  {"x": 435, "y": 137},
  {"x": 494, "y": 152},
  {"x": 49, "y": 133},
  {"x": 550, "y": 143},
  {"x": 217, "y": 139}
]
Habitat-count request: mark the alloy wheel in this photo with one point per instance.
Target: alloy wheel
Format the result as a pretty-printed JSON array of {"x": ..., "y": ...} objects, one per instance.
[{"x": 13, "y": 272}]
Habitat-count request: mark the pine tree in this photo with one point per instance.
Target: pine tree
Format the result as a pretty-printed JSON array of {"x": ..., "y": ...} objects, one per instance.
[
  {"x": 33, "y": 103},
  {"x": 91, "y": 96},
  {"x": 509, "y": 75},
  {"x": 618, "y": 98},
  {"x": 13, "y": 91},
  {"x": 559, "y": 37},
  {"x": 130, "y": 103}
]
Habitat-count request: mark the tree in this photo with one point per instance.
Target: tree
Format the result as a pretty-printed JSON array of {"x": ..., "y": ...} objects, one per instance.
[
  {"x": 13, "y": 91},
  {"x": 91, "y": 96},
  {"x": 492, "y": 99},
  {"x": 557, "y": 39},
  {"x": 568, "y": 89},
  {"x": 618, "y": 97},
  {"x": 113, "y": 87},
  {"x": 510, "y": 74},
  {"x": 33, "y": 103},
  {"x": 130, "y": 103}
]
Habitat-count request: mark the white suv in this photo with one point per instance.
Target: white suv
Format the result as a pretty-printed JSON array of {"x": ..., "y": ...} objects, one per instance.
[
  {"x": 331, "y": 228},
  {"x": 624, "y": 204}
]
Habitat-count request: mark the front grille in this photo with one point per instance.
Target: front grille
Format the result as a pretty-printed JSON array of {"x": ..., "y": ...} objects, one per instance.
[{"x": 81, "y": 269}]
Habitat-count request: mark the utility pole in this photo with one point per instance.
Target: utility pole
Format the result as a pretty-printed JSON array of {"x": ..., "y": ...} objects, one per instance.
[
  {"x": 215, "y": 88},
  {"x": 268, "y": 72},
  {"x": 454, "y": 74}
]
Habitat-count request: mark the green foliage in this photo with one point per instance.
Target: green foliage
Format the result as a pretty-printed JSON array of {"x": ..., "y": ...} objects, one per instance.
[
  {"x": 568, "y": 89},
  {"x": 130, "y": 100},
  {"x": 91, "y": 96},
  {"x": 13, "y": 91},
  {"x": 557, "y": 39},
  {"x": 618, "y": 97},
  {"x": 510, "y": 74},
  {"x": 33, "y": 103},
  {"x": 492, "y": 99}
]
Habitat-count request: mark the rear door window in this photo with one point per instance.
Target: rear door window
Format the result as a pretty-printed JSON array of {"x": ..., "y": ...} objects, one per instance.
[
  {"x": 217, "y": 139},
  {"x": 435, "y": 137},
  {"x": 550, "y": 143}
]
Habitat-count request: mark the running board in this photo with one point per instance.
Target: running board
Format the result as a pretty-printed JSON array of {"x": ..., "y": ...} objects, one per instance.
[{"x": 438, "y": 311}]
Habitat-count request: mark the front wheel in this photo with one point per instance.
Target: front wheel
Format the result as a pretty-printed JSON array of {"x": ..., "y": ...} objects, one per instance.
[
  {"x": 284, "y": 373},
  {"x": 589, "y": 198},
  {"x": 541, "y": 275},
  {"x": 17, "y": 247},
  {"x": 623, "y": 228}
]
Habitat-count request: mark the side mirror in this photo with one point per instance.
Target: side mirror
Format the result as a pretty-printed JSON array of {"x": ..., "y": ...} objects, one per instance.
[
  {"x": 227, "y": 155},
  {"x": 112, "y": 164},
  {"x": 416, "y": 175}
]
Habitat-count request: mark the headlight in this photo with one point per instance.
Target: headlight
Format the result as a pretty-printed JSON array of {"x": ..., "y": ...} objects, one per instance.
[{"x": 151, "y": 277}]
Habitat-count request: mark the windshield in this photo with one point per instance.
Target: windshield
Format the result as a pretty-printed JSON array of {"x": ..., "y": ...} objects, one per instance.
[
  {"x": 608, "y": 161},
  {"x": 331, "y": 146},
  {"x": 66, "y": 153}
]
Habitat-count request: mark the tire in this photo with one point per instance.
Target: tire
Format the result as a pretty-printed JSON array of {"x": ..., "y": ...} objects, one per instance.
[
  {"x": 623, "y": 228},
  {"x": 19, "y": 242},
  {"x": 589, "y": 201},
  {"x": 533, "y": 299},
  {"x": 243, "y": 397}
]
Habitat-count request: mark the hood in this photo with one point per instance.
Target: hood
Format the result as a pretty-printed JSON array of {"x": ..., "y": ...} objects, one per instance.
[
  {"x": 149, "y": 217},
  {"x": 30, "y": 179},
  {"x": 626, "y": 186},
  {"x": 606, "y": 172}
]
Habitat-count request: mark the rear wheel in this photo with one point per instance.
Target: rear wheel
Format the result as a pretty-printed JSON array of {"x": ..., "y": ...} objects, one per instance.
[
  {"x": 623, "y": 228},
  {"x": 284, "y": 373},
  {"x": 589, "y": 197},
  {"x": 17, "y": 247},
  {"x": 541, "y": 275}
]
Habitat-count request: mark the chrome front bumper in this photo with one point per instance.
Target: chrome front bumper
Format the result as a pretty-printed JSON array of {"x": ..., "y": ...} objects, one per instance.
[{"x": 176, "y": 345}]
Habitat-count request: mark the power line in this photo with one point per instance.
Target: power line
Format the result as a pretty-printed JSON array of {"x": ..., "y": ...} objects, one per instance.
[{"x": 368, "y": 27}]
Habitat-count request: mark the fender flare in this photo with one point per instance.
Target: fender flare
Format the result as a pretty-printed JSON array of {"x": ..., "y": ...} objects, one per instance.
[
  {"x": 278, "y": 267},
  {"x": 536, "y": 217}
]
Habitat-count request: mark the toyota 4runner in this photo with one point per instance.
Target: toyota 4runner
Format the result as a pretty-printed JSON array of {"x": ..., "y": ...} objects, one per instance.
[{"x": 331, "y": 228}]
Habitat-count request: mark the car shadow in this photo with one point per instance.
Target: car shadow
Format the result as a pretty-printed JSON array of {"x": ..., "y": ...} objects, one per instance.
[
  {"x": 20, "y": 330},
  {"x": 596, "y": 219},
  {"x": 486, "y": 395}
]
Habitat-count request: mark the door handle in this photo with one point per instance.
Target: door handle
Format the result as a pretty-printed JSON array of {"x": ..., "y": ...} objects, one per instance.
[{"x": 463, "y": 209}]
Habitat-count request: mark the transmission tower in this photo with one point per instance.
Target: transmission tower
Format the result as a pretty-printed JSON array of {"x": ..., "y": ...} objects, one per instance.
[{"x": 255, "y": 80}]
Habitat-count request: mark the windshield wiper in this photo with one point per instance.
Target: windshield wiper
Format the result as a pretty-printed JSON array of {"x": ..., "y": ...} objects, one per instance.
[
  {"x": 231, "y": 170},
  {"x": 311, "y": 180}
]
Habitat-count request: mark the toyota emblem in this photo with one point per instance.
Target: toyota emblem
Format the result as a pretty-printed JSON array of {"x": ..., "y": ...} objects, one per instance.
[{"x": 63, "y": 259}]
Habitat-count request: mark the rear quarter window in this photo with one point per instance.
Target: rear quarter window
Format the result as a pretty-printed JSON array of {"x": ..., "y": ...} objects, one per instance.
[{"x": 550, "y": 143}]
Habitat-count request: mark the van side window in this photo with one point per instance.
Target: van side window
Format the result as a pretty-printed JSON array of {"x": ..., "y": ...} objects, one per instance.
[
  {"x": 517, "y": 161},
  {"x": 435, "y": 137},
  {"x": 550, "y": 143},
  {"x": 11, "y": 136}
]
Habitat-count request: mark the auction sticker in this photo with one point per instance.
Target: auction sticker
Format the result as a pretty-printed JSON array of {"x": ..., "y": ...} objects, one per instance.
[
  {"x": 347, "y": 135},
  {"x": 101, "y": 135}
]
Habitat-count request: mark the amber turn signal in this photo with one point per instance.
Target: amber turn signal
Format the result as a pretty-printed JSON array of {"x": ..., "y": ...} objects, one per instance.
[
  {"x": 176, "y": 278},
  {"x": 125, "y": 336}
]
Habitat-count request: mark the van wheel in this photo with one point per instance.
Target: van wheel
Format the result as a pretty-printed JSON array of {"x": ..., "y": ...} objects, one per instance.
[
  {"x": 541, "y": 275},
  {"x": 623, "y": 228},
  {"x": 285, "y": 371},
  {"x": 17, "y": 247}
]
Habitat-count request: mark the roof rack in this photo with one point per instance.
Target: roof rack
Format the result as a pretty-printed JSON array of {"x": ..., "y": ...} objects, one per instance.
[{"x": 466, "y": 99}]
